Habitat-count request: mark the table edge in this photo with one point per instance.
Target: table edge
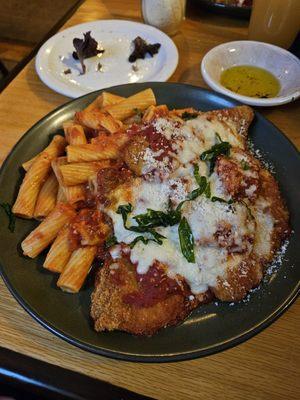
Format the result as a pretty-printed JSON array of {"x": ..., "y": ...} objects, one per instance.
[{"x": 54, "y": 382}]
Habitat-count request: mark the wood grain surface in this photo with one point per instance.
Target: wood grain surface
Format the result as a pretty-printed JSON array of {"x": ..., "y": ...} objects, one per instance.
[{"x": 264, "y": 367}]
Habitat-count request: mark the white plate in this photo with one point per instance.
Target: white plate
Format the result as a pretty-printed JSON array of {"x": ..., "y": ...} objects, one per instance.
[
  {"x": 116, "y": 37},
  {"x": 281, "y": 63}
]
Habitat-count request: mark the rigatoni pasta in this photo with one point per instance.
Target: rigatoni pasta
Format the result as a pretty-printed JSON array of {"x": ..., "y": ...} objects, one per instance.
[
  {"x": 58, "y": 179},
  {"x": 97, "y": 119},
  {"x": 47, "y": 231},
  {"x": 27, "y": 164},
  {"x": 73, "y": 194},
  {"x": 77, "y": 268},
  {"x": 74, "y": 133},
  {"x": 47, "y": 197},
  {"x": 60, "y": 251},
  {"x": 128, "y": 107},
  {"x": 91, "y": 152},
  {"x": 80, "y": 172},
  {"x": 35, "y": 177},
  {"x": 103, "y": 100}
]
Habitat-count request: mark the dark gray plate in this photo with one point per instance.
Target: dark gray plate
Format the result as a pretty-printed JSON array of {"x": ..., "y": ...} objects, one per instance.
[{"x": 211, "y": 327}]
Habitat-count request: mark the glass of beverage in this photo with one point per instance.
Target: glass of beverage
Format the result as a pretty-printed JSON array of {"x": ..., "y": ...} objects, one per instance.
[
  {"x": 275, "y": 21},
  {"x": 164, "y": 14}
]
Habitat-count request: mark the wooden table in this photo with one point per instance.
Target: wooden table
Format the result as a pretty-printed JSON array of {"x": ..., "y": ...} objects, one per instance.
[{"x": 264, "y": 367}]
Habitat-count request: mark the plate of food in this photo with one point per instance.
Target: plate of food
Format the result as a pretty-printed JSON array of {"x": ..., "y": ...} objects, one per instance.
[
  {"x": 237, "y": 8},
  {"x": 103, "y": 53},
  {"x": 160, "y": 219}
]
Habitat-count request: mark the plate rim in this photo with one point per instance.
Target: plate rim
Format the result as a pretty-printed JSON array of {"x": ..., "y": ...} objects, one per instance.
[
  {"x": 121, "y": 355},
  {"x": 63, "y": 89}
]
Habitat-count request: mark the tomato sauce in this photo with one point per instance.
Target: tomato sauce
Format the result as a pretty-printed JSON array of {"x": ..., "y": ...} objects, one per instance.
[
  {"x": 157, "y": 142},
  {"x": 109, "y": 178},
  {"x": 153, "y": 287}
]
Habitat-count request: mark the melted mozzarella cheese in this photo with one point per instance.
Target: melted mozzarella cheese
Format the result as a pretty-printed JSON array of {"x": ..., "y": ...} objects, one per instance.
[
  {"x": 189, "y": 140},
  {"x": 210, "y": 262},
  {"x": 144, "y": 195},
  {"x": 206, "y": 217},
  {"x": 206, "y": 130},
  {"x": 265, "y": 225}
]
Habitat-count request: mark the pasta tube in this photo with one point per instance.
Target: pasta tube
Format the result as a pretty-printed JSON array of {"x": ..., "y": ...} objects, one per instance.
[
  {"x": 47, "y": 231},
  {"x": 59, "y": 252},
  {"x": 77, "y": 173},
  {"x": 73, "y": 194},
  {"x": 35, "y": 177},
  {"x": 76, "y": 270},
  {"x": 74, "y": 133},
  {"x": 61, "y": 198},
  {"x": 47, "y": 197},
  {"x": 91, "y": 152},
  {"x": 127, "y": 107},
  {"x": 97, "y": 119},
  {"x": 27, "y": 164},
  {"x": 105, "y": 99}
]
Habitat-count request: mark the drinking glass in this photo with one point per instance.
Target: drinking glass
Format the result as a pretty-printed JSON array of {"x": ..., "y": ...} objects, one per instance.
[{"x": 275, "y": 21}]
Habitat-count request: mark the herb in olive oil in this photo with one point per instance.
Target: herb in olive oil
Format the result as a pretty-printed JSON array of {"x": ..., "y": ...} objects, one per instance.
[{"x": 250, "y": 81}]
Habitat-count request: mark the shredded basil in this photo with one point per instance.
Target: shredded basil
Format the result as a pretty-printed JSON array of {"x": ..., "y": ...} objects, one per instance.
[
  {"x": 12, "y": 220},
  {"x": 207, "y": 191},
  {"x": 204, "y": 188},
  {"x": 186, "y": 239},
  {"x": 111, "y": 241},
  {"x": 138, "y": 239},
  {"x": 245, "y": 165},
  {"x": 212, "y": 154},
  {"x": 219, "y": 137},
  {"x": 124, "y": 210},
  {"x": 215, "y": 198},
  {"x": 152, "y": 218}
]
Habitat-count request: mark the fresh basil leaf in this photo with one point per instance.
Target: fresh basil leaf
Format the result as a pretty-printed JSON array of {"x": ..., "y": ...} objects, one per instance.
[
  {"x": 207, "y": 190},
  {"x": 188, "y": 115},
  {"x": 248, "y": 209},
  {"x": 193, "y": 194},
  {"x": 202, "y": 182},
  {"x": 12, "y": 220},
  {"x": 153, "y": 218},
  {"x": 186, "y": 239},
  {"x": 215, "y": 198},
  {"x": 203, "y": 185},
  {"x": 124, "y": 210},
  {"x": 219, "y": 137},
  {"x": 245, "y": 165},
  {"x": 138, "y": 239},
  {"x": 212, "y": 154},
  {"x": 157, "y": 237},
  {"x": 111, "y": 241}
]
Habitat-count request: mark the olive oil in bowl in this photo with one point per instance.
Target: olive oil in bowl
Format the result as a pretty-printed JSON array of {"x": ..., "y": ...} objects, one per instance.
[{"x": 250, "y": 81}]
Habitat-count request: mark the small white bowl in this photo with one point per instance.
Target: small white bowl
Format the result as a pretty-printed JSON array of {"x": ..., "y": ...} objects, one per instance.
[{"x": 281, "y": 63}]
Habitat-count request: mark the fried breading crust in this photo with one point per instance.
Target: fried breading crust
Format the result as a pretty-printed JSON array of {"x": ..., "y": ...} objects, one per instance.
[
  {"x": 249, "y": 272},
  {"x": 239, "y": 118},
  {"x": 111, "y": 312}
]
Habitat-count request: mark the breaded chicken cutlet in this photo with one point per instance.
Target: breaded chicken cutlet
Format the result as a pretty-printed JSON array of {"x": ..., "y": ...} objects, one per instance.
[{"x": 237, "y": 224}]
